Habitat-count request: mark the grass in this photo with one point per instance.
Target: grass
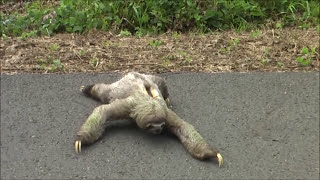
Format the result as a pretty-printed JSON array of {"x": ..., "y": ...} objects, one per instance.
[
  {"x": 152, "y": 16},
  {"x": 255, "y": 34}
]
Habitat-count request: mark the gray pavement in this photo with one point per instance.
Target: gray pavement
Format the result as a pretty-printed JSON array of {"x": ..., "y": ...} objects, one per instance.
[{"x": 266, "y": 126}]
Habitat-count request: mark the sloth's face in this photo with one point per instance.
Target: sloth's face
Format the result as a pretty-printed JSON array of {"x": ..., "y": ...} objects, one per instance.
[
  {"x": 155, "y": 128},
  {"x": 153, "y": 125}
]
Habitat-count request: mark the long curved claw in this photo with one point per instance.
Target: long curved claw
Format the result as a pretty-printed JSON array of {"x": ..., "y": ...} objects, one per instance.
[
  {"x": 168, "y": 102},
  {"x": 154, "y": 92},
  {"x": 77, "y": 146},
  {"x": 220, "y": 159}
]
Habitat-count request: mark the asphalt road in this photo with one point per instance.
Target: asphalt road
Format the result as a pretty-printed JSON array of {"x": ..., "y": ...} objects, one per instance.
[{"x": 266, "y": 126}]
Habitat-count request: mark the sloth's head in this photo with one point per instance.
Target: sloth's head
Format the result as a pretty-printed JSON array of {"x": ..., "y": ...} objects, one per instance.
[
  {"x": 153, "y": 124},
  {"x": 150, "y": 115}
]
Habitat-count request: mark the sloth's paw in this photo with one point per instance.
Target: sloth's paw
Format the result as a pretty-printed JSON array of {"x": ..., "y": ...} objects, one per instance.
[
  {"x": 77, "y": 146},
  {"x": 206, "y": 152},
  {"x": 86, "y": 90},
  {"x": 82, "y": 139}
]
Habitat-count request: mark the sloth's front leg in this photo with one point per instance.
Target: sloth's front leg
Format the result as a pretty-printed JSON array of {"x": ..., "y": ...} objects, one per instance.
[
  {"x": 162, "y": 85},
  {"x": 191, "y": 139},
  {"x": 94, "y": 126}
]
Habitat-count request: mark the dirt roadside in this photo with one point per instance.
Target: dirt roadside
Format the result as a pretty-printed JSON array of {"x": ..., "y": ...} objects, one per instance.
[{"x": 96, "y": 51}]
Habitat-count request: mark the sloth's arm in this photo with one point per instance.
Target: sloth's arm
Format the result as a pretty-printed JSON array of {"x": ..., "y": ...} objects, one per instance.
[
  {"x": 191, "y": 139},
  {"x": 94, "y": 126},
  {"x": 162, "y": 85}
]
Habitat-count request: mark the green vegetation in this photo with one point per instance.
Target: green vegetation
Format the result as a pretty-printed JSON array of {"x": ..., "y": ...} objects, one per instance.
[
  {"x": 156, "y": 16},
  {"x": 155, "y": 43},
  {"x": 176, "y": 35},
  {"x": 94, "y": 62},
  {"x": 25, "y": 35},
  {"x": 125, "y": 33},
  {"x": 306, "y": 57},
  {"x": 56, "y": 66},
  {"x": 54, "y": 47},
  {"x": 280, "y": 64},
  {"x": 82, "y": 52},
  {"x": 255, "y": 34},
  {"x": 185, "y": 56},
  {"x": 264, "y": 61},
  {"x": 166, "y": 62},
  {"x": 233, "y": 43},
  {"x": 51, "y": 64}
]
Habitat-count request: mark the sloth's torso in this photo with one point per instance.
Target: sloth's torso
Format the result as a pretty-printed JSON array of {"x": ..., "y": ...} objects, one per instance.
[{"x": 133, "y": 84}]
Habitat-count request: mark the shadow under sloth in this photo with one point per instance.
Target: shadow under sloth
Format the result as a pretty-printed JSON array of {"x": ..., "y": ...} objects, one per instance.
[{"x": 144, "y": 99}]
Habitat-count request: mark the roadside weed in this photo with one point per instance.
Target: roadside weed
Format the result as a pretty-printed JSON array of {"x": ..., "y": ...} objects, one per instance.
[
  {"x": 176, "y": 35},
  {"x": 255, "y": 34},
  {"x": 307, "y": 55},
  {"x": 56, "y": 66},
  {"x": 155, "y": 43},
  {"x": 125, "y": 33},
  {"x": 54, "y": 47},
  {"x": 264, "y": 61},
  {"x": 186, "y": 57},
  {"x": 51, "y": 64},
  {"x": 280, "y": 64},
  {"x": 94, "y": 62},
  {"x": 166, "y": 62}
]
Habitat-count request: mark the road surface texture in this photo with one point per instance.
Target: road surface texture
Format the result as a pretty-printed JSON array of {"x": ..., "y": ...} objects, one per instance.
[{"x": 266, "y": 126}]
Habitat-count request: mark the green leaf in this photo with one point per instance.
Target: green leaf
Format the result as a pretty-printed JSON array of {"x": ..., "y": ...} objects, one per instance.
[
  {"x": 52, "y": 67},
  {"x": 56, "y": 62},
  {"x": 69, "y": 29},
  {"x": 300, "y": 59},
  {"x": 72, "y": 21},
  {"x": 279, "y": 26},
  {"x": 280, "y": 64},
  {"x": 313, "y": 50},
  {"x": 144, "y": 18},
  {"x": 306, "y": 62},
  {"x": 208, "y": 14},
  {"x": 77, "y": 29},
  {"x": 189, "y": 2},
  {"x": 305, "y": 50}
]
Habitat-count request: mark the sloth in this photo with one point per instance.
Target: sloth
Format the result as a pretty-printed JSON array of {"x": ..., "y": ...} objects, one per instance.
[{"x": 144, "y": 99}]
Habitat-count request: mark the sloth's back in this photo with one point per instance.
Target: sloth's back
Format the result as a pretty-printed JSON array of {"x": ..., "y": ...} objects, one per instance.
[{"x": 132, "y": 83}]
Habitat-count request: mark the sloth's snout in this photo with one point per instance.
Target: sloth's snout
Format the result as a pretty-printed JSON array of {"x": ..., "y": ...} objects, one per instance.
[{"x": 156, "y": 128}]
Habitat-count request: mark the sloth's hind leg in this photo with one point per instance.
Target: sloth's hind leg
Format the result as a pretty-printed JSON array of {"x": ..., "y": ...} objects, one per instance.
[{"x": 100, "y": 92}]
